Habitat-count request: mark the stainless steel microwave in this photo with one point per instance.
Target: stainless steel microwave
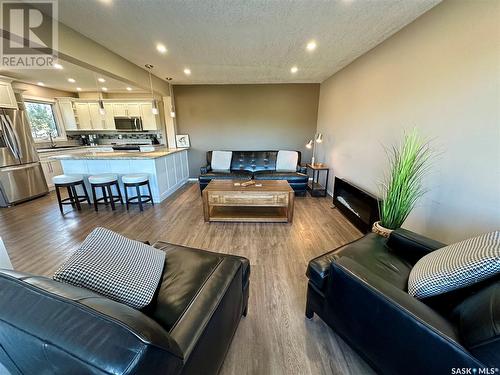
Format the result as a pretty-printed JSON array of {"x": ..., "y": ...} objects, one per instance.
[{"x": 128, "y": 123}]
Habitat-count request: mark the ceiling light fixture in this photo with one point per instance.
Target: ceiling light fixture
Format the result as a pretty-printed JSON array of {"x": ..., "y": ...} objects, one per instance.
[
  {"x": 161, "y": 48},
  {"x": 172, "y": 106},
  {"x": 102, "y": 110},
  {"x": 71, "y": 80},
  {"x": 294, "y": 69},
  {"x": 104, "y": 88},
  {"x": 129, "y": 88},
  {"x": 58, "y": 66},
  {"x": 102, "y": 80},
  {"x": 187, "y": 71},
  {"x": 41, "y": 84},
  {"x": 311, "y": 46},
  {"x": 154, "y": 108},
  {"x": 78, "y": 89}
]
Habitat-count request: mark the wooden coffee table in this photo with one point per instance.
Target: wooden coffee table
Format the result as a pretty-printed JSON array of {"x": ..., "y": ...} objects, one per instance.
[{"x": 271, "y": 202}]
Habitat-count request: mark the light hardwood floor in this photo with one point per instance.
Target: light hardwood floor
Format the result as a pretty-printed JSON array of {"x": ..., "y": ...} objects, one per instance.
[{"x": 275, "y": 337}]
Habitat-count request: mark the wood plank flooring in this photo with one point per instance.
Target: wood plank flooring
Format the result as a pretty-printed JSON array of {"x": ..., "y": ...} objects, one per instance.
[{"x": 275, "y": 337}]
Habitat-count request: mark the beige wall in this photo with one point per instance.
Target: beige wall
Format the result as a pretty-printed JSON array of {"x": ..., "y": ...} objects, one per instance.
[
  {"x": 441, "y": 75},
  {"x": 245, "y": 117}
]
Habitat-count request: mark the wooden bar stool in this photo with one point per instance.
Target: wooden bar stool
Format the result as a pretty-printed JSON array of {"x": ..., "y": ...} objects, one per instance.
[
  {"x": 137, "y": 180},
  {"x": 70, "y": 182},
  {"x": 105, "y": 181}
]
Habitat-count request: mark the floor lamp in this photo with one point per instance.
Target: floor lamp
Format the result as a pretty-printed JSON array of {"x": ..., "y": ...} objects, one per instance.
[{"x": 312, "y": 144}]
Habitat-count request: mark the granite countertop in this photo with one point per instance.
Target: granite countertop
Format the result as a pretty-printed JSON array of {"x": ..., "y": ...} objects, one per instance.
[{"x": 89, "y": 154}]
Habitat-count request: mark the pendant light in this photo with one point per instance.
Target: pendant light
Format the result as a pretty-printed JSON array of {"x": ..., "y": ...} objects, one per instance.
[
  {"x": 172, "y": 107},
  {"x": 102, "y": 111},
  {"x": 154, "y": 107}
]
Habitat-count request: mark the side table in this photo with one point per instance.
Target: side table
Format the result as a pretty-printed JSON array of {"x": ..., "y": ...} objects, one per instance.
[{"x": 314, "y": 187}]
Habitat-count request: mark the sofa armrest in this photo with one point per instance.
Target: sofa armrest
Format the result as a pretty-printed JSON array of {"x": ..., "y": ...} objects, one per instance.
[
  {"x": 388, "y": 325},
  {"x": 319, "y": 268},
  {"x": 301, "y": 169},
  {"x": 205, "y": 169},
  {"x": 410, "y": 245}
]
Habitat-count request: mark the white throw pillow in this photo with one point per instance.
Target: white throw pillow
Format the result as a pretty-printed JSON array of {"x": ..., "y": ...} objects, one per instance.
[
  {"x": 286, "y": 161},
  {"x": 221, "y": 161},
  {"x": 456, "y": 266},
  {"x": 124, "y": 270}
]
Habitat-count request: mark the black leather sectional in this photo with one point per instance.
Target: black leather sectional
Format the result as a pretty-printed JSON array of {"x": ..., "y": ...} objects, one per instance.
[
  {"x": 47, "y": 327},
  {"x": 259, "y": 165},
  {"x": 360, "y": 290}
]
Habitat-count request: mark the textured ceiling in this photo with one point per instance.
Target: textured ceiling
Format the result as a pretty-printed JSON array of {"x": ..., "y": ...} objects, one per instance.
[{"x": 241, "y": 41}]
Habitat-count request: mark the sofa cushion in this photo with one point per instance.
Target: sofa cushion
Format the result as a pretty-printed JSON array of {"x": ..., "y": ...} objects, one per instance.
[
  {"x": 370, "y": 252},
  {"x": 185, "y": 273},
  {"x": 233, "y": 175},
  {"x": 286, "y": 161},
  {"x": 456, "y": 266},
  {"x": 108, "y": 263},
  {"x": 478, "y": 321},
  {"x": 221, "y": 160},
  {"x": 289, "y": 176}
]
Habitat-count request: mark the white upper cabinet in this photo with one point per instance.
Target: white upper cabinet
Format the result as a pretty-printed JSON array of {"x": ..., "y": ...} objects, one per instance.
[
  {"x": 7, "y": 97},
  {"x": 67, "y": 113},
  {"x": 120, "y": 109},
  {"x": 109, "y": 117},
  {"x": 84, "y": 114},
  {"x": 148, "y": 119}
]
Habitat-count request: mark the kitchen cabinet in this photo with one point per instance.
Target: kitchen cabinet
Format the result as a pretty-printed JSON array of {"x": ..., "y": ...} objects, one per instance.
[
  {"x": 83, "y": 116},
  {"x": 67, "y": 114},
  {"x": 109, "y": 117},
  {"x": 148, "y": 119},
  {"x": 120, "y": 109},
  {"x": 7, "y": 97},
  {"x": 51, "y": 168}
]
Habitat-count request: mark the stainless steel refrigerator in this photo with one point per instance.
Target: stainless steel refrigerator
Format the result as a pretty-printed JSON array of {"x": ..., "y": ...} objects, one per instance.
[{"x": 21, "y": 175}]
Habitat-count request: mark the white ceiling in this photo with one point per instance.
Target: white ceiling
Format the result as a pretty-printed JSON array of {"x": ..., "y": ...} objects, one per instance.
[
  {"x": 58, "y": 79},
  {"x": 241, "y": 41}
]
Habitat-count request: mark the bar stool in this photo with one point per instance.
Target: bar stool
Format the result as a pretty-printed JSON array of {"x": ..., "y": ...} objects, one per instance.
[
  {"x": 105, "y": 181},
  {"x": 70, "y": 182},
  {"x": 137, "y": 180}
]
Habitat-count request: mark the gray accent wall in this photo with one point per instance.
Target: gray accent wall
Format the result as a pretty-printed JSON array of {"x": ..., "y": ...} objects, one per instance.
[{"x": 246, "y": 117}]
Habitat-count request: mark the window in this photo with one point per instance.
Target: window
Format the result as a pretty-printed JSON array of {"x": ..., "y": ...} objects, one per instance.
[{"x": 42, "y": 120}]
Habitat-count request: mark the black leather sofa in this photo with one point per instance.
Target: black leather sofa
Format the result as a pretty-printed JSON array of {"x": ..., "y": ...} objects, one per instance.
[
  {"x": 47, "y": 327},
  {"x": 259, "y": 165},
  {"x": 360, "y": 290}
]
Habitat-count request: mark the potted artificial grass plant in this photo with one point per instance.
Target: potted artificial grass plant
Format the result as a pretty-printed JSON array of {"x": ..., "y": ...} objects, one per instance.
[{"x": 402, "y": 186}]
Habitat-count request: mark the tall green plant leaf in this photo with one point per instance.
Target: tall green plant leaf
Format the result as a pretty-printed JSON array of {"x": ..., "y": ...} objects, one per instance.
[{"x": 402, "y": 186}]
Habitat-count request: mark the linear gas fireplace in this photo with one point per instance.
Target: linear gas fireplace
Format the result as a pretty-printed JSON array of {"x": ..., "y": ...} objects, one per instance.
[{"x": 358, "y": 206}]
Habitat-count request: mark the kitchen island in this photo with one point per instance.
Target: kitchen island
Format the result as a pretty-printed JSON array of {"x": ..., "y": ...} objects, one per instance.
[{"x": 167, "y": 167}]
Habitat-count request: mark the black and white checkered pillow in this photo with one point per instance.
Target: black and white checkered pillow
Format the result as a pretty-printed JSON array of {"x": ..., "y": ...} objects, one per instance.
[
  {"x": 119, "y": 268},
  {"x": 456, "y": 266}
]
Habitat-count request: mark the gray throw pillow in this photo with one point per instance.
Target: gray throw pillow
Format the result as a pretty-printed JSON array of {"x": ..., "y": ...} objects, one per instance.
[
  {"x": 110, "y": 264},
  {"x": 456, "y": 266}
]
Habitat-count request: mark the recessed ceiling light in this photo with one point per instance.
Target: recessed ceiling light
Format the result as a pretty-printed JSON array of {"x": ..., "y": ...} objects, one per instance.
[
  {"x": 102, "y": 80},
  {"x": 187, "y": 71},
  {"x": 41, "y": 84},
  {"x": 104, "y": 88},
  {"x": 129, "y": 88},
  {"x": 71, "y": 80},
  {"x": 58, "y": 66},
  {"x": 161, "y": 48},
  {"x": 78, "y": 89},
  {"x": 311, "y": 46},
  {"x": 294, "y": 69}
]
